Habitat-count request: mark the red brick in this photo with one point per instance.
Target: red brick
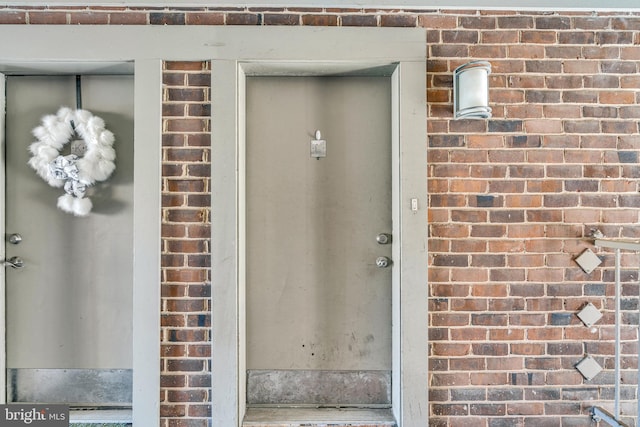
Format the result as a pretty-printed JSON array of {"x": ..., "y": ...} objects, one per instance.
[
  {"x": 205, "y": 18},
  {"x": 88, "y": 18},
  {"x": 488, "y": 319},
  {"x": 129, "y": 18},
  {"x": 447, "y": 379},
  {"x": 477, "y": 22},
  {"x": 617, "y": 97},
  {"x": 581, "y": 67},
  {"x": 525, "y": 260},
  {"x": 600, "y": 52},
  {"x": 488, "y": 231},
  {"x": 49, "y": 18},
  {"x": 515, "y": 22},
  {"x": 466, "y": 364},
  {"x": 527, "y": 349},
  {"x": 359, "y": 21},
  {"x": 455, "y": 51},
  {"x": 486, "y": 51},
  {"x": 499, "y": 37},
  {"x": 12, "y": 17},
  {"x": 451, "y": 349},
  {"x": 449, "y": 319},
  {"x": 469, "y": 304},
  {"x": 171, "y": 411},
  {"x": 539, "y": 37},
  {"x": 468, "y": 334},
  {"x": 525, "y": 408},
  {"x": 485, "y": 142},
  {"x": 543, "y": 126},
  {"x": 437, "y": 21},
  {"x": 437, "y": 275},
  {"x": 506, "y": 334},
  {"x": 476, "y": 275},
  {"x": 187, "y": 395},
  {"x": 467, "y": 186},
  {"x": 524, "y": 201},
  {"x": 577, "y": 37},
  {"x": 506, "y": 304},
  {"x": 495, "y": 378},
  {"x": 186, "y": 276},
  {"x": 397, "y": 20},
  {"x": 281, "y": 19},
  {"x": 166, "y": 18},
  {"x": 581, "y": 333},
  {"x": 489, "y": 290},
  {"x": 620, "y": 216},
  {"x": 544, "y": 334}
]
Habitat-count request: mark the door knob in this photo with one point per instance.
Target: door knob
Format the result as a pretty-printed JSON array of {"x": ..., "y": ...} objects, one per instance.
[
  {"x": 383, "y": 238},
  {"x": 383, "y": 262},
  {"x": 14, "y": 262}
]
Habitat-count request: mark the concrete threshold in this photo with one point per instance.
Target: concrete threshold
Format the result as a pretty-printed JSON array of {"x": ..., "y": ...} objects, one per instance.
[
  {"x": 325, "y": 417},
  {"x": 101, "y": 416}
]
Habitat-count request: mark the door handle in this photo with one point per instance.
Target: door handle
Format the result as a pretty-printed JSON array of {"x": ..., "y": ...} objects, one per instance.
[
  {"x": 15, "y": 238},
  {"x": 14, "y": 262}
]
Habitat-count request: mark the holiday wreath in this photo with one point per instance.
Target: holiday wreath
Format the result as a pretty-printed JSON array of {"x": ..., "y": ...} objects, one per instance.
[{"x": 73, "y": 172}]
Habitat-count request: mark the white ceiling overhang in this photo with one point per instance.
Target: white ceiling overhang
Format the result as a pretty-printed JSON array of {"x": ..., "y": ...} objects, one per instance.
[{"x": 535, "y": 5}]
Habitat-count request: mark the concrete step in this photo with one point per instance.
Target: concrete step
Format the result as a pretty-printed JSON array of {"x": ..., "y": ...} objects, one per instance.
[
  {"x": 318, "y": 417},
  {"x": 101, "y": 418}
]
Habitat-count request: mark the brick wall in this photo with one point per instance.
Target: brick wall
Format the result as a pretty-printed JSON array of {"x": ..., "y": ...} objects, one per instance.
[
  {"x": 511, "y": 201},
  {"x": 186, "y": 230}
]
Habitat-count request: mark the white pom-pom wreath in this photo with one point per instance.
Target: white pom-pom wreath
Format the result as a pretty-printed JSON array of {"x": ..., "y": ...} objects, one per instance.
[
  {"x": 74, "y": 205},
  {"x": 97, "y": 163}
]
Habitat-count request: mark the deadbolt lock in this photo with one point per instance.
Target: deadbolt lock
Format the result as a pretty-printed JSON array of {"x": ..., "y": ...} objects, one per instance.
[{"x": 383, "y": 238}]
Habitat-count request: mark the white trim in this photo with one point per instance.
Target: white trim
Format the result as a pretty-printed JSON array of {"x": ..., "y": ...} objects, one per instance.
[
  {"x": 532, "y": 5},
  {"x": 146, "y": 247},
  {"x": 224, "y": 246},
  {"x": 28, "y": 57},
  {"x": 3, "y": 293},
  {"x": 409, "y": 158},
  {"x": 412, "y": 287}
]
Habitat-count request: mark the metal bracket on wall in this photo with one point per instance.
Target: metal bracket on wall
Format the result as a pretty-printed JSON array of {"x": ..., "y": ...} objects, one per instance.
[
  {"x": 598, "y": 414},
  {"x": 618, "y": 245}
]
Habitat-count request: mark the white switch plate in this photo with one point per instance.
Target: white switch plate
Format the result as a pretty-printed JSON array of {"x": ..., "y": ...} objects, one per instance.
[
  {"x": 589, "y": 314},
  {"x": 589, "y": 368},
  {"x": 588, "y": 261}
]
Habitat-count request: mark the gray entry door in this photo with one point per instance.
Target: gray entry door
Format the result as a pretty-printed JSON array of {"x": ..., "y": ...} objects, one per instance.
[
  {"x": 318, "y": 306},
  {"x": 69, "y": 309}
]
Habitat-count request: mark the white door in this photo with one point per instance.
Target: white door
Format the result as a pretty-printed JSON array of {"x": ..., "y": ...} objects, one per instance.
[
  {"x": 69, "y": 308},
  {"x": 318, "y": 304}
]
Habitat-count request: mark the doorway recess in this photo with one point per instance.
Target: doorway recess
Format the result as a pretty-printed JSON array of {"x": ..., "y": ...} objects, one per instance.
[{"x": 404, "y": 68}]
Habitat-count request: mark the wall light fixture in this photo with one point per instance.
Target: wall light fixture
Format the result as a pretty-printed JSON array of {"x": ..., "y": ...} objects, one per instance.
[{"x": 471, "y": 91}]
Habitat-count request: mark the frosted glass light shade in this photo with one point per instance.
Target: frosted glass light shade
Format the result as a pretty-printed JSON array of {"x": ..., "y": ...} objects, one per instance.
[{"x": 471, "y": 91}]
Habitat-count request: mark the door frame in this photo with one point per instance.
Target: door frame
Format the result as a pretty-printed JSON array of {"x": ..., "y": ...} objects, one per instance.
[
  {"x": 409, "y": 195},
  {"x": 94, "y": 53},
  {"x": 146, "y": 269}
]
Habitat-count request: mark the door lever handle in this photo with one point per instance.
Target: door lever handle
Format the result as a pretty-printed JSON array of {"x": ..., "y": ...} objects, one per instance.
[
  {"x": 15, "y": 238},
  {"x": 14, "y": 262}
]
